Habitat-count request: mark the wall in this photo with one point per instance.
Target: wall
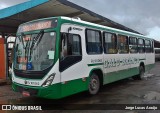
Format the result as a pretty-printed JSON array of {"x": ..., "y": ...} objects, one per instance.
[{"x": 2, "y": 59}]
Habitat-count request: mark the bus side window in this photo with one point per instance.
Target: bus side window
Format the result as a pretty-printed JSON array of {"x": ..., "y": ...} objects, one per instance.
[
  {"x": 110, "y": 43},
  {"x": 133, "y": 45},
  {"x": 71, "y": 52},
  {"x": 71, "y": 45},
  {"x": 141, "y": 48},
  {"x": 93, "y": 42},
  {"x": 74, "y": 45},
  {"x": 148, "y": 47},
  {"x": 123, "y": 44}
]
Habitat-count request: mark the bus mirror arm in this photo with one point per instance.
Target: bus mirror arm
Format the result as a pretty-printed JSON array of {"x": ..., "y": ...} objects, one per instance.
[
  {"x": 22, "y": 34},
  {"x": 69, "y": 29},
  {"x": 64, "y": 37}
]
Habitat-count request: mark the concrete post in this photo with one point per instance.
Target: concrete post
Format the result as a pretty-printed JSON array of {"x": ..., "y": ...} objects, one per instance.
[
  {"x": 7, "y": 61},
  {"x": 6, "y": 51}
]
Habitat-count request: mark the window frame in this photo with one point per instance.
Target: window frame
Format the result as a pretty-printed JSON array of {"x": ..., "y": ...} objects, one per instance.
[
  {"x": 86, "y": 40},
  {"x": 126, "y": 42},
  {"x": 143, "y": 45},
  {"x": 104, "y": 42},
  {"x": 69, "y": 60},
  {"x": 79, "y": 42},
  {"x": 152, "y": 46},
  {"x": 67, "y": 44},
  {"x": 132, "y": 44},
  {"x": 148, "y": 45}
]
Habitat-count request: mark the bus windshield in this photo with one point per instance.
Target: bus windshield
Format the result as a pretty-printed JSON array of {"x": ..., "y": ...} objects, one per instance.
[{"x": 34, "y": 52}]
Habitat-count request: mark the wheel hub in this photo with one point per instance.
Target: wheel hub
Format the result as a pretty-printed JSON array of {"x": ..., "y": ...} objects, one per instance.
[{"x": 93, "y": 84}]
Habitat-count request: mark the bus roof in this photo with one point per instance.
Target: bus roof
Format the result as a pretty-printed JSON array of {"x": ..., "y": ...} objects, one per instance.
[
  {"x": 92, "y": 24},
  {"x": 104, "y": 27}
]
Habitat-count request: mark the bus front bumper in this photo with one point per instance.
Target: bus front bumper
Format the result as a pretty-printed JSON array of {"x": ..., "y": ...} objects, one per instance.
[{"x": 50, "y": 92}]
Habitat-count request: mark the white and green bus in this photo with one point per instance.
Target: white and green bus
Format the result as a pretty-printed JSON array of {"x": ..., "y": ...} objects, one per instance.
[{"x": 60, "y": 56}]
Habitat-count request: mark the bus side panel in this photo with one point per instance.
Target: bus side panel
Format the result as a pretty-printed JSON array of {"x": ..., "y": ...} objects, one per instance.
[
  {"x": 74, "y": 79},
  {"x": 116, "y": 67},
  {"x": 136, "y": 59},
  {"x": 150, "y": 60}
]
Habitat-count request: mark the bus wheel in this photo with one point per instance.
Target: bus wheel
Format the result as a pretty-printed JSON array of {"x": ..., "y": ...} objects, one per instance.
[
  {"x": 94, "y": 84},
  {"x": 141, "y": 74}
]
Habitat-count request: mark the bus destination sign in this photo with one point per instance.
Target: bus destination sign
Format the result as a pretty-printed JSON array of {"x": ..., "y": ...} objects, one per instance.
[{"x": 38, "y": 25}]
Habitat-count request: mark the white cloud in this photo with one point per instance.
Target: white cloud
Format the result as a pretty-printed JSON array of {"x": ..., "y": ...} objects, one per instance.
[
  {"x": 3, "y": 6},
  {"x": 8, "y": 3},
  {"x": 154, "y": 33},
  {"x": 139, "y": 15}
]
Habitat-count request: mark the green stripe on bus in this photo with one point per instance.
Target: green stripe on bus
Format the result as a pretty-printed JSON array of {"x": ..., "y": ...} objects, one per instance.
[{"x": 95, "y": 64}]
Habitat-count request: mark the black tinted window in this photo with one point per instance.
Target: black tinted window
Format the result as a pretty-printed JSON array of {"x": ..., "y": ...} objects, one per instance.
[
  {"x": 133, "y": 45},
  {"x": 122, "y": 44},
  {"x": 93, "y": 42},
  {"x": 141, "y": 48},
  {"x": 148, "y": 47},
  {"x": 110, "y": 43}
]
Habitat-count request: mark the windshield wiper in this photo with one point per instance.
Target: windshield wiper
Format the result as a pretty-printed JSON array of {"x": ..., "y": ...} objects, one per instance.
[
  {"x": 38, "y": 37},
  {"x": 36, "y": 40},
  {"x": 22, "y": 34},
  {"x": 39, "y": 40},
  {"x": 21, "y": 39},
  {"x": 26, "y": 51}
]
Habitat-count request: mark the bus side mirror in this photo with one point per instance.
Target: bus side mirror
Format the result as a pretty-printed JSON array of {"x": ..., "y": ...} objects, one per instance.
[{"x": 69, "y": 29}]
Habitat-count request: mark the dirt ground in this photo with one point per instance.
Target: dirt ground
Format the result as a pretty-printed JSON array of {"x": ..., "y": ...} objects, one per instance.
[{"x": 110, "y": 97}]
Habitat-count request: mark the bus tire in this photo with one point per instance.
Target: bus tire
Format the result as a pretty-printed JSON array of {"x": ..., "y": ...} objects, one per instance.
[
  {"x": 140, "y": 76},
  {"x": 94, "y": 84}
]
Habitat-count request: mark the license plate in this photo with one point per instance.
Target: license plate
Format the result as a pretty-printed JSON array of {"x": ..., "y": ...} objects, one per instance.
[{"x": 25, "y": 93}]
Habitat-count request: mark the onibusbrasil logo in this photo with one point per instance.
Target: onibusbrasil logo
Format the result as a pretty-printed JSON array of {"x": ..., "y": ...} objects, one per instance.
[{"x": 20, "y": 107}]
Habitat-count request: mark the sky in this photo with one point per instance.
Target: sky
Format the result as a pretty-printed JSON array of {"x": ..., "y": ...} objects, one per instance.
[{"x": 140, "y": 15}]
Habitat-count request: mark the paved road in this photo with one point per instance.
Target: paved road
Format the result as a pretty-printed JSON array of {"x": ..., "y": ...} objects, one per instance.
[{"x": 126, "y": 91}]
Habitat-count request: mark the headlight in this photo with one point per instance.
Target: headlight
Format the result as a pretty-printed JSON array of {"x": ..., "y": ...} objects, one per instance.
[{"x": 49, "y": 80}]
